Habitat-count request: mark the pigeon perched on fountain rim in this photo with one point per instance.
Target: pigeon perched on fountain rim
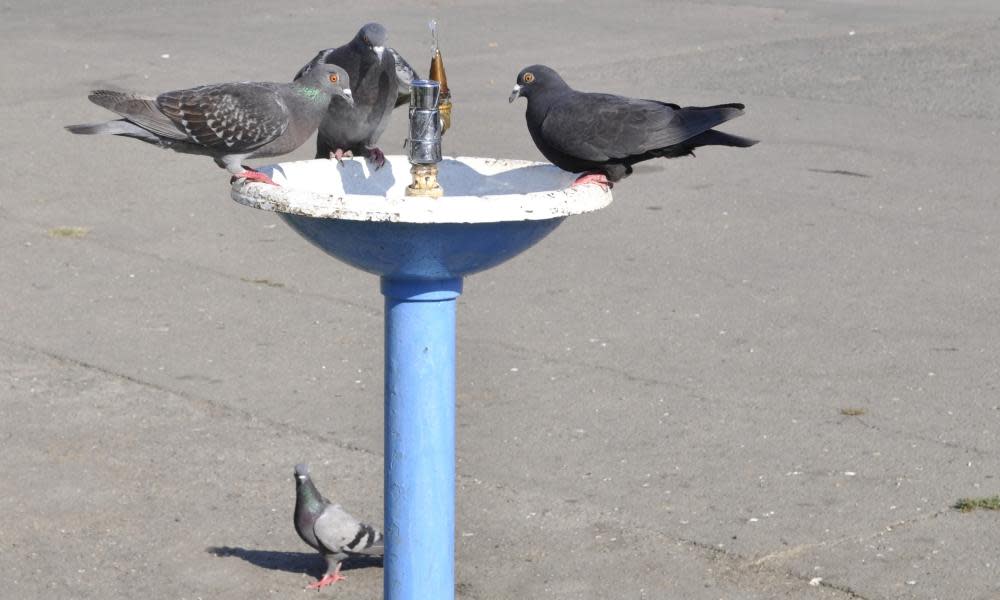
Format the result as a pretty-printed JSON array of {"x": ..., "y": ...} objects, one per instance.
[
  {"x": 228, "y": 121},
  {"x": 380, "y": 80},
  {"x": 330, "y": 529},
  {"x": 603, "y": 135}
]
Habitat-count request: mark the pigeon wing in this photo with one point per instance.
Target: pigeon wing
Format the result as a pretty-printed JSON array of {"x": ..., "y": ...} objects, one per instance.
[
  {"x": 320, "y": 58},
  {"x": 235, "y": 117},
  {"x": 600, "y": 127},
  {"x": 404, "y": 75},
  {"x": 341, "y": 533}
]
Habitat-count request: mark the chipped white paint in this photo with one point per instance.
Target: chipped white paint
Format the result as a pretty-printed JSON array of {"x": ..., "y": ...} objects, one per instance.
[{"x": 477, "y": 190}]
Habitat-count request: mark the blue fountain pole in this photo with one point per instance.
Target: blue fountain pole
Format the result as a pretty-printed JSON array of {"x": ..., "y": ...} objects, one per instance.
[
  {"x": 420, "y": 438},
  {"x": 420, "y": 398}
]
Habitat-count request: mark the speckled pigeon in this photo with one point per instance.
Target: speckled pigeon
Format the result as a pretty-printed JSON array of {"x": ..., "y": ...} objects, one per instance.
[
  {"x": 380, "y": 80},
  {"x": 228, "y": 121},
  {"x": 603, "y": 135},
  {"x": 330, "y": 529}
]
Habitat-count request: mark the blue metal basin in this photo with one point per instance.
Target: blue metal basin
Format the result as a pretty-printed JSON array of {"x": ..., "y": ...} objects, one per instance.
[{"x": 492, "y": 210}]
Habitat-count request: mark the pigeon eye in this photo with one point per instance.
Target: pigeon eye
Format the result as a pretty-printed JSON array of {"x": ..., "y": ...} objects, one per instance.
[
  {"x": 528, "y": 78},
  {"x": 334, "y": 78},
  {"x": 367, "y": 41}
]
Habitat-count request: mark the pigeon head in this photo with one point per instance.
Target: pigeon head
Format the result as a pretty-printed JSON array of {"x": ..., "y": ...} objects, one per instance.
[
  {"x": 373, "y": 36},
  {"x": 328, "y": 78},
  {"x": 534, "y": 79},
  {"x": 305, "y": 490}
]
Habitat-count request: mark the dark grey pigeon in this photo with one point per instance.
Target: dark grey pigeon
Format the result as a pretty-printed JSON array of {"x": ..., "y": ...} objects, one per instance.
[
  {"x": 228, "y": 121},
  {"x": 603, "y": 135},
  {"x": 330, "y": 529},
  {"x": 380, "y": 80}
]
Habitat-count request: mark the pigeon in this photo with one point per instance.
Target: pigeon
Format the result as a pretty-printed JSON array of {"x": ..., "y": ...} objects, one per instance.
[
  {"x": 228, "y": 121},
  {"x": 603, "y": 135},
  {"x": 380, "y": 80},
  {"x": 330, "y": 529}
]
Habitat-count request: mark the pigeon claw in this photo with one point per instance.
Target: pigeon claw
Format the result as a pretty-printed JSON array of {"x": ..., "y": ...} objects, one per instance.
[
  {"x": 599, "y": 178},
  {"x": 251, "y": 175},
  {"x": 328, "y": 579},
  {"x": 340, "y": 154},
  {"x": 377, "y": 157}
]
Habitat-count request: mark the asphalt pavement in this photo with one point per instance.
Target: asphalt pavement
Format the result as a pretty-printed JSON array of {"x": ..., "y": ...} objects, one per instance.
[{"x": 764, "y": 373}]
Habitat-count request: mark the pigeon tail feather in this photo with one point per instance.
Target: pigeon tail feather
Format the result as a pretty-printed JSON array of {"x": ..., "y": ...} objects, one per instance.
[
  {"x": 118, "y": 127},
  {"x": 114, "y": 100},
  {"x": 721, "y": 138},
  {"x": 89, "y": 128},
  {"x": 731, "y": 110},
  {"x": 141, "y": 110}
]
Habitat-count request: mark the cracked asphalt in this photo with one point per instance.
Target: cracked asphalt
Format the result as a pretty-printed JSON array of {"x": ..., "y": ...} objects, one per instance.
[{"x": 760, "y": 374}]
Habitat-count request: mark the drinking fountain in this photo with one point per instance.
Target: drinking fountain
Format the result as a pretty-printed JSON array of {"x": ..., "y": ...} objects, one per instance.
[{"x": 422, "y": 223}]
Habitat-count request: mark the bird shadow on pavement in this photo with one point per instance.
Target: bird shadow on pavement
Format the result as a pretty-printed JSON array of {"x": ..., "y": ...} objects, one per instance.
[{"x": 309, "y": 563}]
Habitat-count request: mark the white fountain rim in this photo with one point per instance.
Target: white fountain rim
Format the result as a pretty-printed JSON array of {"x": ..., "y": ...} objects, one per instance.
[{"x": 320, "y": 188}]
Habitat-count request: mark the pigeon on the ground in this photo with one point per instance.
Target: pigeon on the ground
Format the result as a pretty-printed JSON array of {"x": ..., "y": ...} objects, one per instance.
[
  {"x": 330, "y": 529},
  {"x": 228, "y": 121},
  {"x": 603, "y": 135},
  {"x": 380, "y": 80}
]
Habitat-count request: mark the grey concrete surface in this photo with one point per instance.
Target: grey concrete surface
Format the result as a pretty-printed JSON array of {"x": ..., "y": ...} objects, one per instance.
[{"x": 651, "y": 402}]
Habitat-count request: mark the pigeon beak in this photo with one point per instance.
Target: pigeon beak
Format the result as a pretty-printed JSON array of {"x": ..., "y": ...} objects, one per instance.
[
  {"x": 378, "y": 51},
  {"x": 514, "y": 95},
  {"x": 349, "y": 97}
]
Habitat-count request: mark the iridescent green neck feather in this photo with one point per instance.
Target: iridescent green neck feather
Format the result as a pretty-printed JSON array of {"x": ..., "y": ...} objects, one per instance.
[
  {"x": 310, "y": 93},
  {"x": 310, "y": 496}
]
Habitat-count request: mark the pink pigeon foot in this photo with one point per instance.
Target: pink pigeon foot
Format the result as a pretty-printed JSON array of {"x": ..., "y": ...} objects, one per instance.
[
  {"x": 328, "y": 579},
  {"x": 593, "y": 177},
  {"x": 340, "y": 154},
  {"x": 251, "y": 175},
  {"x": 376, "y": 157}
]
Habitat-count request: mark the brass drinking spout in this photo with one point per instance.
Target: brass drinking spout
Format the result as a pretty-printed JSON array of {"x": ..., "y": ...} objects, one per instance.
[
  {"x": 444, "y": 104},
  {"x": 437, "y": 74}
]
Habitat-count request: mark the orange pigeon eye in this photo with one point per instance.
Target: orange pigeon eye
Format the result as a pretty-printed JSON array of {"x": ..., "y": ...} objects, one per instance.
[
  {"x": 334, "y": 78},
  {"x": 528, "y": 78}
]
